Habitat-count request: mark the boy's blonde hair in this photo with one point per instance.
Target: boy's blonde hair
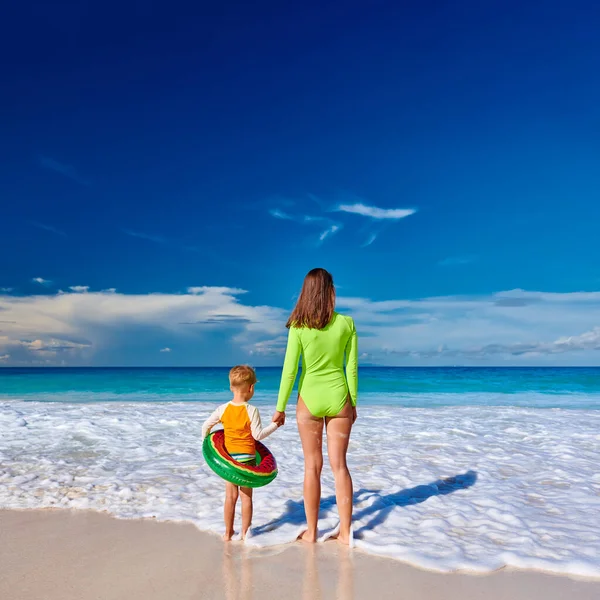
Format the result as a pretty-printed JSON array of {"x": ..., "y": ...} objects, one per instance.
[{"x": 240, "y": 375}]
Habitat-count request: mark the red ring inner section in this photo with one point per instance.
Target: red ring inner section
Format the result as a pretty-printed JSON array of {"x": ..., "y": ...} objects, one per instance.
[{"x": 267, "y": 460}]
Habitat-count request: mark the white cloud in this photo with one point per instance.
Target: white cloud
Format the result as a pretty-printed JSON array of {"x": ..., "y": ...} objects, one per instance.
[
  {"x": 6, "y": 290},
  {"x": 211, "y": 325},
  {"x": 205, "y": 290},
  {"x": 89, "y": 327},
  {"x": 4, "y": 357},
  {"x": 374, "y": 212},
  {"x": 80, "y": 289},
  {"x": 165, "y": 350},
  {"x": 41, "y": 281},
  {"x": 512, "y": 326}
]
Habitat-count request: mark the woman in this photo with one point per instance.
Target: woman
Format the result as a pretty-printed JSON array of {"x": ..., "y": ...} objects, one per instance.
[{"x": 325, "y": 396}]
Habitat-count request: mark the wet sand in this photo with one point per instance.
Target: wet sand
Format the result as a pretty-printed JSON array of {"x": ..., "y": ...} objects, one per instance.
[{"x": 83, "y": 555}]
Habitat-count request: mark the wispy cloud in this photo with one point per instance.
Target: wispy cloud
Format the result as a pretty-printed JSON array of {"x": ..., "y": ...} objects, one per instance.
[
  {"x": 374, "y": 212},
  {"x": 41, "y": 281},
  {"x": 6, "y": 290},
  {"x": 4, "y": 357},
  {"x": 279, "y": 214},
  {"x": 157, "y": 239},
  {"x": 80, "y": 289},
  {"x": 370, "y": 239},
  {"x": 63, "y": 169},
  {"x": 49, "y": 228},
  {"x": 456, "y": 261},
  {"x": 329, "y": 232},
  {"x": 308, "y": 220},
  {"x": 165, "y": 350}
]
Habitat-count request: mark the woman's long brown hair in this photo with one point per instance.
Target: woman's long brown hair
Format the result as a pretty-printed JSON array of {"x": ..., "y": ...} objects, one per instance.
[{"x": 316, "y": 303}]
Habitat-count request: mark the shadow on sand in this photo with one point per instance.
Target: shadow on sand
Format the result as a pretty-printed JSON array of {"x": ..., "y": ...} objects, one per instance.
[{"x": 380, "y": 505}]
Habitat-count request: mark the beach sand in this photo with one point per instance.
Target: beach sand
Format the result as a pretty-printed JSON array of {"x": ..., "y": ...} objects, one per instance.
[{"x": 84, "y": 555}]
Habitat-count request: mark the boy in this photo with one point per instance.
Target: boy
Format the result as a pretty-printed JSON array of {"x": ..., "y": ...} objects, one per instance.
[{"x": 242, "y": 426}]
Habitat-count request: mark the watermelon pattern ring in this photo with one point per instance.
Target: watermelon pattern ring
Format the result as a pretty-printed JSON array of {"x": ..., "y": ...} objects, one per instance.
[{"x": 219, "y": 460}]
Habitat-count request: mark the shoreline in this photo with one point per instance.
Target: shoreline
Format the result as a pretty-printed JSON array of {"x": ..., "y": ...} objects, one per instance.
[
  {"x": 63, "y": 554},
  {"x": 261, "y": 551},
  {"x": 487, "y": 488}
]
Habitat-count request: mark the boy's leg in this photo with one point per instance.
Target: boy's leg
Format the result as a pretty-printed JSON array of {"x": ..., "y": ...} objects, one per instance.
[
  {"x": 231, "y": 496},
  {"x": 246, "y": 510}
]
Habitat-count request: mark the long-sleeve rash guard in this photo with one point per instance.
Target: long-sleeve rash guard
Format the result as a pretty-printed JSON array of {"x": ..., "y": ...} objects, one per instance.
[
  {"x": 323, "y": 386},
  {"x": 242, "y": 426}
]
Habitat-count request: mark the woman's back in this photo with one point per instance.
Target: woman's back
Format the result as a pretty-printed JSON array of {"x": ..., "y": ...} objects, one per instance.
[{"x": 323, "y": 386}]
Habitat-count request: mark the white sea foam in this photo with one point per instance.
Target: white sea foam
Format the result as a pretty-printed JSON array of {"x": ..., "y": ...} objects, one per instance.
[{"x": 472, "y": 488}]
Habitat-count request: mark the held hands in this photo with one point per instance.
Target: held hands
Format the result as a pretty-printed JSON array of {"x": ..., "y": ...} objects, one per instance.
[{"x": 279, "y": 418}]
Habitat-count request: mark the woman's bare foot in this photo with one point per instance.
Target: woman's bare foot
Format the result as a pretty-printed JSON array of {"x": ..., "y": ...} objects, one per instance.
[
  {"x": 307, "y": 537},
  {"x": 345, "y": 539},
  {"x": 227, "y": 536}
]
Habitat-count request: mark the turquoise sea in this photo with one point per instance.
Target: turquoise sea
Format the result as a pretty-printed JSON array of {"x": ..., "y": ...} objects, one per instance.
[{"x": 422, "y": 387}]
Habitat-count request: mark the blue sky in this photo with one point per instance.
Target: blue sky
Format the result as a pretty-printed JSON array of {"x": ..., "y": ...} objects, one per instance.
[{"x": 441, "y": 159}]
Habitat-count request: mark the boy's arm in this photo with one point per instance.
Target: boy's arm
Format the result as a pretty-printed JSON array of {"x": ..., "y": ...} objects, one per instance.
[
  {"x": 211, "y": 422},
  {"x": 258, "y": 433}
]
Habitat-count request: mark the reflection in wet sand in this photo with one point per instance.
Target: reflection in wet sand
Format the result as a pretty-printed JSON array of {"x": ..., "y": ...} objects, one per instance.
[
  {"x": 326, "y": 573},
  {"x": 317, "y": 563},
  {"x": 237, "y": 573}
]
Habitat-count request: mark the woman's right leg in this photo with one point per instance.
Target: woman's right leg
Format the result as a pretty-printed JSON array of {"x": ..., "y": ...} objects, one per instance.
[
  {"x": 311, "y": 435},
  {"x": 338, "y": 438}
]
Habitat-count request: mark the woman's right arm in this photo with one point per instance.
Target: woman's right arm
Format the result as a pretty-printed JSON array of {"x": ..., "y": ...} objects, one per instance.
[
  {"x": 290, "y": 368},
  {"x": 352, "y": 364}
]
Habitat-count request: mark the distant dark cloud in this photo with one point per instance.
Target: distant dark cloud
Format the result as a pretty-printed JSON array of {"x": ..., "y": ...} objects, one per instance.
[
  {"x": 65, "y": 170},
  {"x": 516, "y": 302},
  {"x": 49, "y": 228},
  {"x": 157, "y": 239},
  {"x": 456, "y": 261},
  {"x": 219, "y": 320}
]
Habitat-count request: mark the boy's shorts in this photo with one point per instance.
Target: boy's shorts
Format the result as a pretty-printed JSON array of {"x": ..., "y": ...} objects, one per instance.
[{"x": 245, "y": 459}]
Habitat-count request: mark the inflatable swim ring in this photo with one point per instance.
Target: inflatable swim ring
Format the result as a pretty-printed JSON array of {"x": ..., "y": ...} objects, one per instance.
[{"x": 219, "y": 460}]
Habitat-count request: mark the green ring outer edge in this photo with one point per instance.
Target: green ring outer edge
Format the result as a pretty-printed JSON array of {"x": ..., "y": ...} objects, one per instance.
[{"x": 228, "y": 472}]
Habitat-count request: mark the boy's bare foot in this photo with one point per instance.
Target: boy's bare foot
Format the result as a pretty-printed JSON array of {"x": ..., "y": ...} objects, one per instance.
[{"x": 307, "y": 537}]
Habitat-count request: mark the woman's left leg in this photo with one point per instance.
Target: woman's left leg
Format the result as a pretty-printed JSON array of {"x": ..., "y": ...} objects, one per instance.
[{"x": 338, "y": 438}]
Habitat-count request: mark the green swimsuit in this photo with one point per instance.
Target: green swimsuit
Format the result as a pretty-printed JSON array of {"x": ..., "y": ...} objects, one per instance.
[{"x": 322, "y": 386}]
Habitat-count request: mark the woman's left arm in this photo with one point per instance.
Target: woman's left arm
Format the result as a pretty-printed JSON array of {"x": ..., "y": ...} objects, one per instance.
[{"x": 352, "y": 364}]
